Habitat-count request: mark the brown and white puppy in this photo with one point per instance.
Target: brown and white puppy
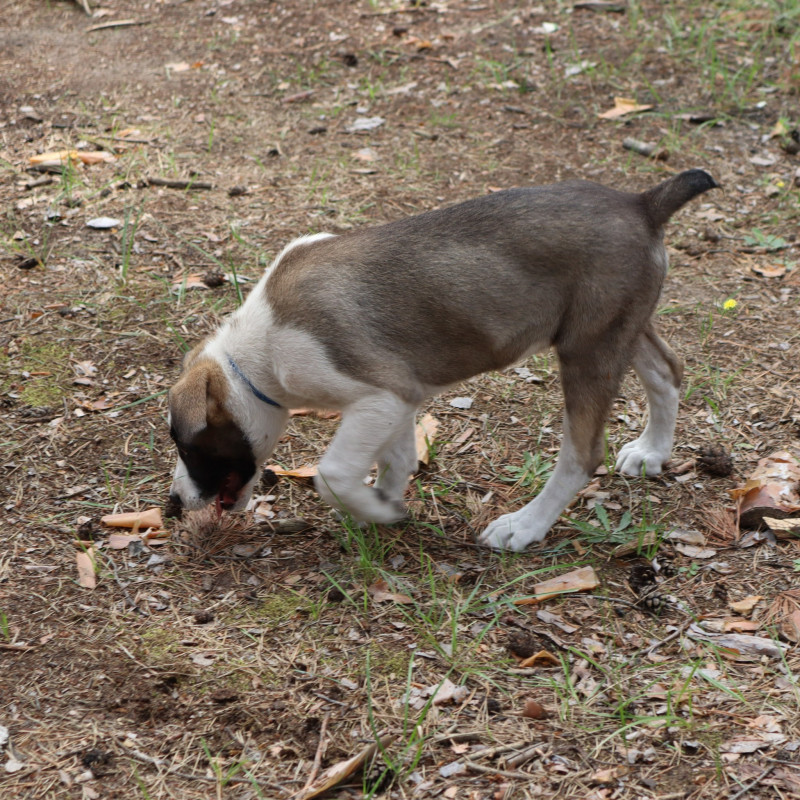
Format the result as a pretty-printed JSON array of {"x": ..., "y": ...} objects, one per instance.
[{"x": 374, "y": 321}]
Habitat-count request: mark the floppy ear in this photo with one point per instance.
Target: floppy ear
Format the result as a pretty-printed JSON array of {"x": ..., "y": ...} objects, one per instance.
[{"x": 197, "y": 399}]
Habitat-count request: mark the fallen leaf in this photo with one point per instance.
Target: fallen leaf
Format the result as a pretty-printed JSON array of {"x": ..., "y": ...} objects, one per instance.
[
  {"x": 86, "y": 568},
  {"x": 783, "y": 528},
  {"x": 364, "y": 124},
  {"x": 622, "y": 107},
  {"x": 746, "y": 605},
  {"x": 54, "y": 157},
  {"x": 579, "y": 580},
  {"x": 543, "y": 658},
  {"x": 178, "y": 66},
  {"x": 339, "y": 772},
  {"x": 381, "y": 592},
  {"x": 739, "y": 625},
  {"x": 687, "y": 537},
  {"x": 785, "y": 611},
  {"x": 307, "y": 471},
  {"x": 425, "y": 434},
  {"x": 739, "y": 643},
  {"x": 769, "y": 270},
  {"x": 96, "y": 157},
  {"x": 635, "y": 546},
  {"x": 119, "y": 541},
  {"x": 610, "y": 775},
  {"x": 695, "y": 552},
  {"x": 149, "y": 518},
  {"x": 448, "y": 692}
]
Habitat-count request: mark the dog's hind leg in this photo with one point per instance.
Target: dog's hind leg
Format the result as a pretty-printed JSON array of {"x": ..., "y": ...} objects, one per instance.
[
  {"x": 398, "y": 461},
  {"x": 589, "y": 385},
  {"x": 660, "y": 372},
  {"x": 369, "y": 428}
]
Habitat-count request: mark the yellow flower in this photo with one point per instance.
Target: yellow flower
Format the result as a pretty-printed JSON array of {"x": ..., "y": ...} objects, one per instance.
[
  {"x": 729, "y": 304},
  {"x": 780, "y": 184}
]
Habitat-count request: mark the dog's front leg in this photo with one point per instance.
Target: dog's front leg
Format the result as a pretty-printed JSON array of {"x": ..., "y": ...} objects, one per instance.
[
  {"x": 398, "y": 461},
  {"x": 369, "y": 428},
  {"x": 660, "y": 372}
]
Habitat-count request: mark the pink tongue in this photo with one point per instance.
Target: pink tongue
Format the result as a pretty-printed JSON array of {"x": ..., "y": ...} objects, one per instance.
[{"x": 229, "y": 493}]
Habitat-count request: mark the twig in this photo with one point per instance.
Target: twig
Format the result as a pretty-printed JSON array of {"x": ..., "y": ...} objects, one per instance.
[
  {"x": 318, "y": 755},
  {"x": 178, "y": 184},
  {"x": 522, "y": 776},
  {"x": 118, "y": 23},
  {"x": 673, "y": 635},
  {"x": 748, "y": 786}
]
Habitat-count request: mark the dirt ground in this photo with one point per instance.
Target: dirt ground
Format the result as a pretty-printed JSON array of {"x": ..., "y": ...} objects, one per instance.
[{"x": 248, "y": 657}]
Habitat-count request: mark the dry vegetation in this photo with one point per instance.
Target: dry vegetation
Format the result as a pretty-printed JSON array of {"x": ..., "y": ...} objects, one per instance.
[{"x": 243, "y": 659}]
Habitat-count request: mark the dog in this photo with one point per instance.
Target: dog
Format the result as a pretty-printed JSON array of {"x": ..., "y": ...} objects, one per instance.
[{"x": 375, "y": 320}]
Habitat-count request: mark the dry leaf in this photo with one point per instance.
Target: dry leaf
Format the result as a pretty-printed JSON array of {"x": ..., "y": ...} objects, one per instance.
[
  {"x": 119, "y": 541},
  {"x": 739, "y": 625},
  {"x": 85, "y": 560},
  {"x": 339, "y": 772},
  {"x": 54, "y": 157},
  {"x": 543, "y": 658},
  {"x": 769, "y": 270},
  {"x": 785, "y": 611},
  {"x": 610, "y": 775},
  {"x": 381, "y": 592},
  {"x": 622, "y": 107},
  {"x": 746, "y": 605},
  {"x": 783, "y": 528},
  {"x": 150, "y": 518},
  {"x": 635, "y": 546},
  {"x": 425, "y": 434},
  {"x": 308, "y": 471},
  {"x": 96, "y": 157},
  {"x": 579, "y": 580},
  {"x": 695, "y": 552}
]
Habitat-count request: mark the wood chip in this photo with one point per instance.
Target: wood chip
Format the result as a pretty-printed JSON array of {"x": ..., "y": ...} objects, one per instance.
[{"x": 579, "y": 580}]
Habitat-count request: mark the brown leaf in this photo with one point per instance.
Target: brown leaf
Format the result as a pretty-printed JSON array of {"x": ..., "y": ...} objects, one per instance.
[
  {"x": 381, "y": 592},
  {"x": 307, "y": 471},
  {"x": 579, "y": 580},
  {"x": 425, "y": 434},
  {"x": 543, "y": 658},
  {"x": 119, "y": 541},
  {"x": 150, "y": 518},
  {"x": 622, "y": 107},
  {"x": 85, "y": 560},
  {"x": 746, "y": 605}
]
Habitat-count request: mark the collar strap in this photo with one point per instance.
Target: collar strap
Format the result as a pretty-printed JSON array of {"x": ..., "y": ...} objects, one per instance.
[{"x": 254, "y": 389}]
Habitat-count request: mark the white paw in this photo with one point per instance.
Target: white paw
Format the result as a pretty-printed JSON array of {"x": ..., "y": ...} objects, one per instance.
[
  {"x": 638, "y": 458},
  {"x": 509, "y": 532}
]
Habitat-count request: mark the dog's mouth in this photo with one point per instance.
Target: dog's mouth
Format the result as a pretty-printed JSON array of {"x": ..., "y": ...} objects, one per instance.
[{"x": 229, "y": 492}]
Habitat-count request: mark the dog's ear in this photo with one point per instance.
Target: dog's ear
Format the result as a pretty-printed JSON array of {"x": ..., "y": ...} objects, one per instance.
[{"x": 197, "y": 400}]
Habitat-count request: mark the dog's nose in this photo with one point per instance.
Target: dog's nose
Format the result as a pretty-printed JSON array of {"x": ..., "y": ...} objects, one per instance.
[{"x": 174, "y": 506}]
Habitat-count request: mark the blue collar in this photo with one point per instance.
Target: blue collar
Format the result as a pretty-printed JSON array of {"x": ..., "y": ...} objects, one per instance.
[{"x": 256, "y": 391}]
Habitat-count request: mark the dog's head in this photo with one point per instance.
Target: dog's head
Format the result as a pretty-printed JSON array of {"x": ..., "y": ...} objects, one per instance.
[{"x": 219, "y": 456}]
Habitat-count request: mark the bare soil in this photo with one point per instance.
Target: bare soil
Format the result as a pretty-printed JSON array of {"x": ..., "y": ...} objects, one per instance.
[{"x": 244, "y": 657}]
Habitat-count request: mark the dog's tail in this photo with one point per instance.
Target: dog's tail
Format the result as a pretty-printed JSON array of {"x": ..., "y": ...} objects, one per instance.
[{"x": 664, "y": 200}]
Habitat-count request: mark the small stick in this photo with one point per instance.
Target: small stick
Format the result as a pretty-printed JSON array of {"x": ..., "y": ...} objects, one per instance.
[
  {"x": 318, "y": 755},
  {"x": 748, "y": 786},
  {"x": 178, "y": 184},
  {"x": 119, "y": 23}
]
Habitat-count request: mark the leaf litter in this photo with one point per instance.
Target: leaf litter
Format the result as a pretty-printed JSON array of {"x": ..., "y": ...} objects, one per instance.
[{"x": 297, "y": 654}]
